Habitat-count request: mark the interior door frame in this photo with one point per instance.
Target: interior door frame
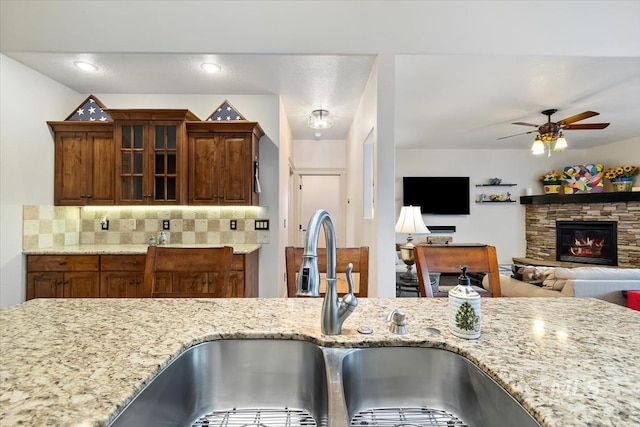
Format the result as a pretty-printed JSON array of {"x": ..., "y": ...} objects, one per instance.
[{"x": 342, "y": 177}]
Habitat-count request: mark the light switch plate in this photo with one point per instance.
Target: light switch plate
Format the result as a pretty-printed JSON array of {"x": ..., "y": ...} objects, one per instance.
[
  {"x": 261, "y": 224},
  {"x": 166, "y": 224}
]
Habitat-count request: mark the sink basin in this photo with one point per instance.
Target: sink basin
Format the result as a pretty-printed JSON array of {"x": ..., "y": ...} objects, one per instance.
[
  {"x": 410, "y": 386},
  {"x": 234, "y": 383}
]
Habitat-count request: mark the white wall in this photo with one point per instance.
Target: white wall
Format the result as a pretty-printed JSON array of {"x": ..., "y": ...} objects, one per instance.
[
  {"x": 279, "y": 287},
  {"x": 501, "y": 225},
  {"x": 27, "y": 101}
]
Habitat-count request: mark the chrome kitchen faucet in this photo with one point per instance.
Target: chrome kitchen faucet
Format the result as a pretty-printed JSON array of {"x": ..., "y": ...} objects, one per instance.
[{"x": 334, "y": 310}]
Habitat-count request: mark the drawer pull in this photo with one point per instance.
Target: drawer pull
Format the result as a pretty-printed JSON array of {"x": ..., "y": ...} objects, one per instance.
[{"x": 62, "y": 263}]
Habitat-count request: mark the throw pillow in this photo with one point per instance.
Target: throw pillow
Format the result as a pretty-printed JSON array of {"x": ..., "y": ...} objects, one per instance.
[
  {"x": 553, "y": 281},
  {"x": 535, "y": 275},
  {"x": 516, "y": 271}
]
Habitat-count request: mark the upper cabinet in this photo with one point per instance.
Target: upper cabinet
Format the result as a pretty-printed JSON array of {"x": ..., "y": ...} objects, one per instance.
[
  {"x": 84, "y": 163},
  {"x": 155, "y": 157},
  {"x": 151, "y": 156},
  {"x": 223, "y": 162}
]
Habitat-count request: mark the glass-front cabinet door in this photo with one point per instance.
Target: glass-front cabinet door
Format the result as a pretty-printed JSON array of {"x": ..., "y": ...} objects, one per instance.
[
  {"x": 132, "y": 143},
  {"x": 149, "y": 162}
]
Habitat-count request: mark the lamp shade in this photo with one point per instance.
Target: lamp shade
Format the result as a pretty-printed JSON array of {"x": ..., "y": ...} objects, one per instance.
[{"x": 410, "y": 221}]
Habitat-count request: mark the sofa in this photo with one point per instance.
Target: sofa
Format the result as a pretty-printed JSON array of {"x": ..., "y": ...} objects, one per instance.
[{"x": 606, "y": 283}]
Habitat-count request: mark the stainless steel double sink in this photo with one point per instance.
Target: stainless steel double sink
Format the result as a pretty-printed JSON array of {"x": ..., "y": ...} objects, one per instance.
[{"x": 297, "y": 383}]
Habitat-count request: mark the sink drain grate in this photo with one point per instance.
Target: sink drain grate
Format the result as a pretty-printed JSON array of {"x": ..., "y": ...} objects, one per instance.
[
  {"x": 286, "y": 417},
  {"x": 405, "y": 417}
]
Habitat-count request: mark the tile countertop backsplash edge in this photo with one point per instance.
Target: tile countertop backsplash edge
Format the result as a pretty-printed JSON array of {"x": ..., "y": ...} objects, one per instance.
[{"x": 131, "y": 249}]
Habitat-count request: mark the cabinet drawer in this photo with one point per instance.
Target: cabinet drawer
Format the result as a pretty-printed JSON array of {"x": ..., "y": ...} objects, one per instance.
[
  {"x": 122, "y": 262},
  {"x": 62, "y": 262}
]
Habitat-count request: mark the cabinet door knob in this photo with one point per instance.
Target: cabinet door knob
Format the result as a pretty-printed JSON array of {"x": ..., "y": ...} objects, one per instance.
[
  {"x": 88, "y": 196},
  {"x": 131, "y": 282}
]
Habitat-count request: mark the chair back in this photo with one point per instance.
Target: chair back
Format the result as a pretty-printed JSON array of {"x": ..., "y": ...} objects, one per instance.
[
  {"x": 449, "y": 258},
  {"x": 359, "y": 257},
  {"x": 188, "y": 272}
]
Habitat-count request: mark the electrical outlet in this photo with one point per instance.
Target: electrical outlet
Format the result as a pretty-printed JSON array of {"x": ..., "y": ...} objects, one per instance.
[
  {"x": 233, "y": 224},
  {"x": 166, "y": 224}
]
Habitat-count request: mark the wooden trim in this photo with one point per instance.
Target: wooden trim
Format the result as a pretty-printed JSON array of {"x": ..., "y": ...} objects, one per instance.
[{"x": 151, "y": 114}]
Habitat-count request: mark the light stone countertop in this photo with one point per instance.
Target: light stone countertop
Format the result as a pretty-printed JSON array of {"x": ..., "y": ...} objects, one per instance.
[
  {"x": 131, "y": 249},
  {"x": 76, "y": 362}
]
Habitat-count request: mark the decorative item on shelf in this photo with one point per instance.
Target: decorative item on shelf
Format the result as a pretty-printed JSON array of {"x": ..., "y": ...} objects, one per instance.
[
  {"x": 552, "y": 182},
  {"x": 410, "y": 222},
  {"x": 622, "y": 177},
  {"x": 584, "y": 179},
  {"x": 495, "y": 181}
]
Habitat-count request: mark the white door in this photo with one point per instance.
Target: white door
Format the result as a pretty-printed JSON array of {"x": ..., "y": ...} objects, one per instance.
[{"x": 320, "y": 192}]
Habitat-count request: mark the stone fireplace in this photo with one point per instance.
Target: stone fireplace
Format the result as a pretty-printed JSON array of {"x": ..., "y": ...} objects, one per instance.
[
  {"x": 589, "y": 242},
  {"x": 544, "y": 211}
]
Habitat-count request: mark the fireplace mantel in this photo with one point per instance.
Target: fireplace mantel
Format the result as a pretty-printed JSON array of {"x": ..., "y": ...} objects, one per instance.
[
  {"x": 542, "y": 212},
  {"x": 545, "y": 199}
]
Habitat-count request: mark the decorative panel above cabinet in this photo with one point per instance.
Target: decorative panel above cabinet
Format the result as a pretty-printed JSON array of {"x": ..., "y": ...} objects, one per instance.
[
  {"x": 223, "y": 158},
  {"x": 151, "y": 156},
  {"x": 84, "y": 163}
]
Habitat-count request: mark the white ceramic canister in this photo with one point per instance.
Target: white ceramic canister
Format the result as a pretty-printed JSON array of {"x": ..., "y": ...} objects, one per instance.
[{"x": 464, "y": 309}]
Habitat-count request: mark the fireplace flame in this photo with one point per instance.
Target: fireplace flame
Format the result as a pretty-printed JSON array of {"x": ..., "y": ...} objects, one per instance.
[{"x": 587, "y": 247}]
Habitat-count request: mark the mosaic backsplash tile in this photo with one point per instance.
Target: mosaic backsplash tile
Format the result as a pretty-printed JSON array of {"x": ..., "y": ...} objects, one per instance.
[{"x": 48, "y": 226}]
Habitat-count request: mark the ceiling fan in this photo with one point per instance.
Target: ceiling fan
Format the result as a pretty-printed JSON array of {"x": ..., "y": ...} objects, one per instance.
[{"x": 552, "y": 131}]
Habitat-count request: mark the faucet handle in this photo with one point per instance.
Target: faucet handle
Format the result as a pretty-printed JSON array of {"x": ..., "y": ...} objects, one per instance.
[{"x": 350, "y": 278}]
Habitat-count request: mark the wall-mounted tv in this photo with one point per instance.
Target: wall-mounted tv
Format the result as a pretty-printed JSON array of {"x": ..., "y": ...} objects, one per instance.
[{"x": 437, "y": 195}]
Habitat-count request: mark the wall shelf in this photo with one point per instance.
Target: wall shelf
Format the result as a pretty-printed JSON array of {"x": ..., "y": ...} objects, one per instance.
[
  {"x": 495, "y": 185},
  {"x": 496, "y": 201}
]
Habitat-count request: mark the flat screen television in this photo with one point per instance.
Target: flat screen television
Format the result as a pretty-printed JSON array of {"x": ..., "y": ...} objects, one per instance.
[{"x": 437, "y": 195}]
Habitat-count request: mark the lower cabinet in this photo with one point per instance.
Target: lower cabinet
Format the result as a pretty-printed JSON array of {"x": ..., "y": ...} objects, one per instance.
[
  {"x": 63, "y": 276},
  {"x": 122, "y": 276}
]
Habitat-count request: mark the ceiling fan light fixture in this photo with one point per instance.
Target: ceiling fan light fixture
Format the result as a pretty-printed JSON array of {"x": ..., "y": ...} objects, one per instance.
[
  {"x": 561, "y": 143},
  {"x": 319, "y": 119},
  {"x": 538, "y": 146}
]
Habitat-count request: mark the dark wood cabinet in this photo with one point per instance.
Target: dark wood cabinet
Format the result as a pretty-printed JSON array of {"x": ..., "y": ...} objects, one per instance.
[
  {"x": 156, "y": 157},
  {"x": 223, "y": 161},
  {"x": 151, "y": 156},
  {"x": 84, "y": 163},
  {"x": 122, "y": 276},
  {"x": 63, "y": 276}
]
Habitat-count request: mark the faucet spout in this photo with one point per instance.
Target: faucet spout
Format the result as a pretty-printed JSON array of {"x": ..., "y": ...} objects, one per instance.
[{"x": 334, "y": 310}]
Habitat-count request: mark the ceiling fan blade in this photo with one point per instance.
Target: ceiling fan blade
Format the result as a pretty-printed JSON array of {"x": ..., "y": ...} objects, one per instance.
[
  {"x": 525, "y": 124},
  {"x": 586, "y": 126},
  {"x": 578, "y": 117},
  {"x": 523, "y": 133}
]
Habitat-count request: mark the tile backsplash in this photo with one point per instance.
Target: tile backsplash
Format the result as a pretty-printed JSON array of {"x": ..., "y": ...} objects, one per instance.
[{"x": 47, "y": 226}]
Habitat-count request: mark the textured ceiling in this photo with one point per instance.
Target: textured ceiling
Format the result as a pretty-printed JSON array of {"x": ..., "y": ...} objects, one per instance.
[{"x": 462, "y": 71}]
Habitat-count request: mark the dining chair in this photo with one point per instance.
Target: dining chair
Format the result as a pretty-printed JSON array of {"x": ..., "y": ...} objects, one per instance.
[
  {"x": 449, "y": 258},
  {"x": 188, "y": 272},
  {"x": 359, "y": 257}
]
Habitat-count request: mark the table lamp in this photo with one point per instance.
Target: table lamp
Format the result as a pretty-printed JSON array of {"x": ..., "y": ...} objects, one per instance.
[{"x": 410, "y": 222}]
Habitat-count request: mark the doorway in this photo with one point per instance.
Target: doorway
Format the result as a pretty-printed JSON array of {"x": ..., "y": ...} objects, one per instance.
[{"x": 320, "y": 191}]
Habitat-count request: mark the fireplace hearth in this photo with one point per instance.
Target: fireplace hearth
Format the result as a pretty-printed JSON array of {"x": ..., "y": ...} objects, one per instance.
[{"x": 588, "y": 242}]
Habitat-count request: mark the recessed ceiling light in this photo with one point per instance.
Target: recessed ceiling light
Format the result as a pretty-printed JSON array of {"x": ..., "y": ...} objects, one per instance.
[
  {"x": 210, "y": 67},
  {"x": 85, "y": 66}
]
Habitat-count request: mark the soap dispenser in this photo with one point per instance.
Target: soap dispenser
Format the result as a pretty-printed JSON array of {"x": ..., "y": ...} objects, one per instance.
[{"x": 464, "y": 308}]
